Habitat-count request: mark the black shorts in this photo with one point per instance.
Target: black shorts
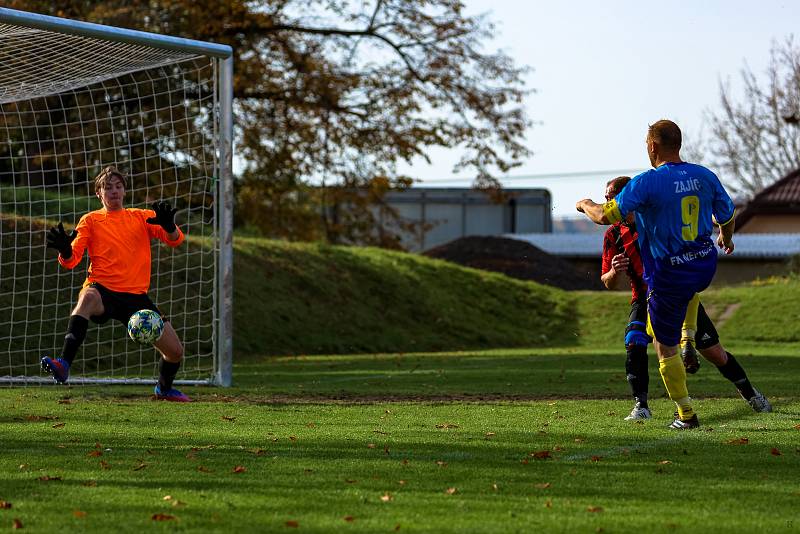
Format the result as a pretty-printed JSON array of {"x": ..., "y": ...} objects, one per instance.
[
  {"x": 121, "y": 306},
  {"x": 706, "y": 335}
]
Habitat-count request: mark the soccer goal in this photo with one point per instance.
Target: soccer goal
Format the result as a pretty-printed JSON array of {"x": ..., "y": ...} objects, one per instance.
[{"x": 75, "y": 97}]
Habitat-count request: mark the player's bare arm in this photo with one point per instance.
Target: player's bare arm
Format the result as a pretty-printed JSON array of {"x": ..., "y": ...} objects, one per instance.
[
  {"x": 725, "y": 237},
  {"x": 619, "y": 265},
  {"x": 593, "y": 210}
]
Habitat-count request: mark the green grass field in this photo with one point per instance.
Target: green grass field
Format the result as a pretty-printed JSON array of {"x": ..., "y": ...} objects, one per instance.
[
  {"x": 493, "y": 441},
  {"x": 373, "y": 435}
]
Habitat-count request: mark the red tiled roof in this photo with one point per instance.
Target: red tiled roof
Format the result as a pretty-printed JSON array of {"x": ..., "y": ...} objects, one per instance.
[{"x": 782, "y": 197}]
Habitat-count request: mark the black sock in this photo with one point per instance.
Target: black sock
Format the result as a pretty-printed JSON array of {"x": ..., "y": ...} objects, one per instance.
[
  {"x": 636, "y": 369},
  {"x": 76, "y": 333},
  {"x": 734, "y": 372},
  {"x": 166, "y": 374}
]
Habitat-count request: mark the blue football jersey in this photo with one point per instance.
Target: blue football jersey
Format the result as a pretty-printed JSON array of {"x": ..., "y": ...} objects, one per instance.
[{"x": 674, "y": 205}]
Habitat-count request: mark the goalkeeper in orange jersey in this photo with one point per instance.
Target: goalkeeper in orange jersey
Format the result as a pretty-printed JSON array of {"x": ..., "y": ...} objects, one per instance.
[{"x": 118, "y": 241}]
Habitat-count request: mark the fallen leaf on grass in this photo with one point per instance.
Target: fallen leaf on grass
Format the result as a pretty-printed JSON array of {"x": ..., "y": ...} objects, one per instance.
[
  {"x": 541, "y": 455},
  {"x": 64, "y": 401},
  {"x": 292, "y": 524},
  {"x": 594, "y": 509},
  {"x": 239, "y": 469},
  {"x": 167, "y": 498},
  {"x": 737, "y": 441},
  {"x": 490, "y": 434},
  {"x": 548, "y": 503},
  {"x": 380, "y": 432},
  {"x": 48, "y": 478},
  {"x": 543, "y": 485},
  {"x": 37, "y": 418},
  {"x": 370, "y": 445},
  {"x": 16, "y": 524},
  {"x": 104, "y": 465},
  {"x": 350, "y": 481},
  {"x": 162, "y": 517},
  {"x": 558, "y": 448},
  {"x": 59, "y": 425},
  {"x": 228, "y": 418},
  {"x": 494, "y": 487},
  {"x": 95, "y": 453},
  {"x": 579, "y": 440},
  {"x": 386, "y": 497},
  {"x": 258, "y": 452},
  {"x": 665, "y": 462},
  {"x": 349, "y": 518},
  {"x": 401, "y": 482},
  {"x": 796, "y": 427},
  {"x": 204, "y": 469},
  {"x": 446, "y": 425},
  {"x": 440, "y": 463},
  {"x": 5, "y": 505},
  {"x": 450, "y": 491},
  {"x": 90, "y": 484},
  {"x": 596, "y": 458},
  {"x": 139, "y": 467},
  {"x": 775, "y": 452},
  {"x": 292, "y": 438},
  {"x": 79, "y": 514}
]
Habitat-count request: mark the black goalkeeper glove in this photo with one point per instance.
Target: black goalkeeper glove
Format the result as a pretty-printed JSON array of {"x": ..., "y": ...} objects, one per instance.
[
  {"x": 60, "y": 240},
  {"x": 165, "y": 216}
]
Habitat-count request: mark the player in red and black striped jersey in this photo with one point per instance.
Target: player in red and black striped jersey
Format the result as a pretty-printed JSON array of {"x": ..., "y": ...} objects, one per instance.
[{"x": 621, "y": 255}]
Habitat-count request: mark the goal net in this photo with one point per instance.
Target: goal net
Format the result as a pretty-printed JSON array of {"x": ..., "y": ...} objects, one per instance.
[{"x": 74, "y": 98}]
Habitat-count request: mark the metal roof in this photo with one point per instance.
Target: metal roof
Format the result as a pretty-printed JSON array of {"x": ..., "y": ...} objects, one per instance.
[
  {"x": 782, "y": 197},
  {"x": 747, "y": 246}
]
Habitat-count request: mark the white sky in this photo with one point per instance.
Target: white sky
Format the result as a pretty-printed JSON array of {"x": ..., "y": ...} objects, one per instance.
[{"x": 604, "y": 70}]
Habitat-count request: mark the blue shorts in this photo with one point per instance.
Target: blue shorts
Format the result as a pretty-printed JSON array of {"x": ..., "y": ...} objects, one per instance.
[{"x": 672, "y": 283}]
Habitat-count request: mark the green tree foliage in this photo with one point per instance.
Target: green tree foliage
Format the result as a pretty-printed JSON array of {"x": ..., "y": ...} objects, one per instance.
[{"x": 338, "y": 92}]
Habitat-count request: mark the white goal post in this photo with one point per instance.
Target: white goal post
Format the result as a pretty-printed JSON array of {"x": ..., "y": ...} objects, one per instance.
[{"x": 74, "y": 98}]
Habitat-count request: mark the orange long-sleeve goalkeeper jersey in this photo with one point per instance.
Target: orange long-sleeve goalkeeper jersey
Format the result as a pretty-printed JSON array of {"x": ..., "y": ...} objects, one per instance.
[{"x": 119, "y": 248}]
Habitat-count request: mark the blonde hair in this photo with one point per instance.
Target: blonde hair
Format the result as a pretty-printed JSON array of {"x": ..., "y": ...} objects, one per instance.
[{"x": 106, "y": 174}]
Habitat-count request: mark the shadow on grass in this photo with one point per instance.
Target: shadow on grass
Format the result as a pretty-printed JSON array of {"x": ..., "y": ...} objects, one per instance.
[{"x": 512, "y": 375}]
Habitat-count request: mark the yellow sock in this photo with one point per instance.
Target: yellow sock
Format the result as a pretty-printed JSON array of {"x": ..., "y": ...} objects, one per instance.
[
  {"x": 690, "y": 321},
  {"x": 674, "y": 376}
]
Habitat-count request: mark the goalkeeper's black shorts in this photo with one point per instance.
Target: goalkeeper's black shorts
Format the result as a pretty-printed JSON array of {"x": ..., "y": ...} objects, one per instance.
[{"x": 121, "y": 306}]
